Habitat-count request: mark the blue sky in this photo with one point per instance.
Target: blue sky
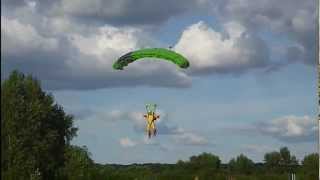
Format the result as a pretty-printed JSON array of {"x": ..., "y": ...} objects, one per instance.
[{"x": 251, "y": 86}]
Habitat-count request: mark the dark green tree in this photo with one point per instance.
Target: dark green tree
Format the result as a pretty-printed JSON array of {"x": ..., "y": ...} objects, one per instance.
[
  {"x": 205, "y": 160},
  {"x": 285, "y": 155},
  {"x": 281, "y": 161},
  {"x": 272, "y": 159},
  {"x": 242, "y": 164},
  {"x": 79, "y": 165},
  {"x": 310, "y": 166},
  {"x": 34, "y": 130},
  {"x": 287, "y": 158}
]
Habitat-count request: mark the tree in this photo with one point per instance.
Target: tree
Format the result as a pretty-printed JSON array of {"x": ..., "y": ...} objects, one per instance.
[
  {"x": 232, "y": 164},
  {"x": 281, "y": 161},
  {"x": 285, "y": 156},
  {"x": 272, "y": 159},
  {"x": 310, "y": 165},
  {"x": 78, "y": 163},
  {"x": 241, "y": 164},
  {"x": 205, "y": 160},
  {"x": 34, "y": 130}
]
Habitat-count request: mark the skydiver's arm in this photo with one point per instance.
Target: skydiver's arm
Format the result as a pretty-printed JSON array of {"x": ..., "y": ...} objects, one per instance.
[{"x": 156, "y": 117}]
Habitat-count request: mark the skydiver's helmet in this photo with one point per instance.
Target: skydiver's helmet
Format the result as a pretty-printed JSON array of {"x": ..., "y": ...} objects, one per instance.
[{"x": 151, "y": 108}]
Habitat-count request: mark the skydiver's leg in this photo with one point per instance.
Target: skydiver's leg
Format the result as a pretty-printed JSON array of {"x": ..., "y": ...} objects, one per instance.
[
  {"x": 149, "y": 130},
  {"x": 153, "y": 129},
  {"x": 149, "y": 134}
]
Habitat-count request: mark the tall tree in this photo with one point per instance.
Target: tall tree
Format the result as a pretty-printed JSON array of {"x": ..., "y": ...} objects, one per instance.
[
  {"x": 272, "y": 159},
  {"x": 281, "y": 161},
  {"x": 79, "y": 165},
  {"x": 241, "y": 164},
  {"x": 205, "y": 160},
  {"x": 34, "y": 130},
  {"x": 285, "y": 156},
  {"x": 310, "y": 165}
]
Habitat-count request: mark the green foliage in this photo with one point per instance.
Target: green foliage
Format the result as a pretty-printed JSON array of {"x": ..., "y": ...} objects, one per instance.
[
  {"x": 205, "y": 160},
  {"x": 311, "y": 162},
  {"x": 241, "y": 164},
  {"x": 285, "y": 155},
  {"x": 287, "y": 158},
  {"x": 281, "y": 161},
  {"x": 310, "y": 166},
  {"x": 34, "y": 130},
  {"x": 272, "y": 159},
  {"x": 78, "y": 163}
]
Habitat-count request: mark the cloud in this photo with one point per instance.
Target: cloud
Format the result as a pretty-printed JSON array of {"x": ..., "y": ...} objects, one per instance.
[
  {"x": 164, "y": 126},
  {"x": 128, "y": 12},
  {"x": 114, "y": 12},
  {"x": 136, "y": 117},
  {"x": 154, "y": 143},
  {"x": 189, "y": 138},
  {"x": 293, "y": 19},
  {"x": 290, "y": 128},
  {"x": 73, "y": 60},
  {"x": 127, "y": 142},
  {"x": 21, "y": 39},
  {"x": 52, "y": 40},
  {"x": 232, "y": 51},
  {"x": 145, "y": 141}
]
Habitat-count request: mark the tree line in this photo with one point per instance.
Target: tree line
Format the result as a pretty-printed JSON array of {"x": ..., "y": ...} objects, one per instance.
[{"x": 35, "y": 145}]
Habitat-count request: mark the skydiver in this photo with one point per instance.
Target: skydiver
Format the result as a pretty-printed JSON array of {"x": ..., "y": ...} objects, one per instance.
[{"x": 151, "y": 117}]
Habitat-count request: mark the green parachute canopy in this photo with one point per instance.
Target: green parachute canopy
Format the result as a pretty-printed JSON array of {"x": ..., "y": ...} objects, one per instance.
[
  {"x": 151, "y": 108},
  {"x": 160, "y": 53}
]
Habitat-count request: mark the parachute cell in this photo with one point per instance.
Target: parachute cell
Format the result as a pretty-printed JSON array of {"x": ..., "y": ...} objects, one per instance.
[{"x": 160, "y": 53}]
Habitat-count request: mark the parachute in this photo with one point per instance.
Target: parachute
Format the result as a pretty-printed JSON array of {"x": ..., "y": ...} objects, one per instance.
[{"x": 160, "y": 53}]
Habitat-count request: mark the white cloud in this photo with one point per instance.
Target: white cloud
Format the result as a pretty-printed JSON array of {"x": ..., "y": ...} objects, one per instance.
[
  {"x": 291, "y": 19},
  {"x": 291, "y": 128},
  {"x": 210, "y": 51},
  {"x": 108, "y": 40},
  {"x": 64, "y": 57},
  {"x": 164, "y": 126},
  {"x": 234, "y": 29},
  {"x": 22, "y": 39},
  {"x": 189, "y": 138},
  {"x": 139, "y": 124},
  {"x": 145, "y": 141},
  {"x": 80, "y": 56},
  {"x": 66, "y": 54},
  {"x": 127, "y": 142}
]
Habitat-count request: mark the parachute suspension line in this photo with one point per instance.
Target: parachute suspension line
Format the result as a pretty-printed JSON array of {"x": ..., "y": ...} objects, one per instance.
[{"x": 151, "y": 108}]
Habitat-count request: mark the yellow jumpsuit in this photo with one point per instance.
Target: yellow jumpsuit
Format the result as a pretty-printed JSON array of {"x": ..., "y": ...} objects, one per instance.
[{"x": 151, "y": 128}]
